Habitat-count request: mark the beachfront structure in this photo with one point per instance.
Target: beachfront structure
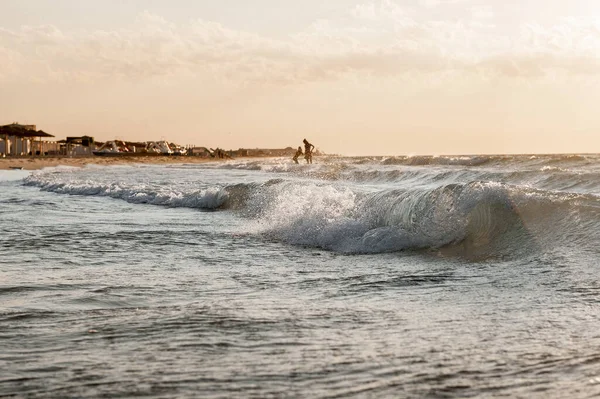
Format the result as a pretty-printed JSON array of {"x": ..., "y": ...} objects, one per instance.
[
  {"x": 15, "y": 146},
  {"x": 22, "y": 147},
  {"x": 121, "y": 147},
  {"x": 113, "y": 147},
  {"x": 20, "y": 140},
  {"x": 77, "y": 146},
  {"x": 159, "y": 147},
  {"x": 200, "y": 151}
]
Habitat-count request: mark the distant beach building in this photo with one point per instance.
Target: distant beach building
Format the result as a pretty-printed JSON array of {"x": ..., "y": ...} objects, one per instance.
[
  {"x": 77, "y": 146},
  {"x": 18, "y": 140},
  {"x": 200, "y": 152}
]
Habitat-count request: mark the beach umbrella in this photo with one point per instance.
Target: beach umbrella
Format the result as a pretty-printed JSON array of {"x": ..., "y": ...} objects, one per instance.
[
  {"x": 14, "y": 130},
  {"x": 21, "y": 131},
  {"x": 41, "y": 133}
]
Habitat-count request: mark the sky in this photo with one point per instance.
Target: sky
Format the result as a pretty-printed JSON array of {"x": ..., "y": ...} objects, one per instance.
[{"x": 382, "y": 77}]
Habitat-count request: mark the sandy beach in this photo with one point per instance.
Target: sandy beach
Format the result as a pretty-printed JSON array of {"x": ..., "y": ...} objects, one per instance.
[{"x": 34, "y": 163}]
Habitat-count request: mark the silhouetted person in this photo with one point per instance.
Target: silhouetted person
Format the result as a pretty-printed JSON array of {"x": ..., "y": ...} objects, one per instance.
[
  {"x": 298, "y": 153},
  {"x": 308, "y": 149}
]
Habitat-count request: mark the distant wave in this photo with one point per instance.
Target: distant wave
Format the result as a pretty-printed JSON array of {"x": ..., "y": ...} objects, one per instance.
[
  {"x": 569, "y": 173},
  {"x": 425, "y": 160},
  {"x": 443, "y": 160},
  {"x": 482, "y": 160}
]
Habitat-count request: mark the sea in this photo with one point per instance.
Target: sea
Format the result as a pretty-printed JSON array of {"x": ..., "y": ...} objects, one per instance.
[{"x": 367, "y": 277}]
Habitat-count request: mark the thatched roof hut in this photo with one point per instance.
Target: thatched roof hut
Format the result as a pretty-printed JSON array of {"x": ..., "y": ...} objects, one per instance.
[{"x": 20, "y": 131}]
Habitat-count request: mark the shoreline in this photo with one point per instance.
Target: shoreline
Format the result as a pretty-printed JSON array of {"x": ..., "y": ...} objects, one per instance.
[{"x": 36, "y": 163}]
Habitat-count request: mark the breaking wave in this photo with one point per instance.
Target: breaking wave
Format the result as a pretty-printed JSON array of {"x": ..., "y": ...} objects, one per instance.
[
  {"x": 208, "y": 199},
  {"x": 474, "y": 220},
  {"x": 450, "y": 211}
]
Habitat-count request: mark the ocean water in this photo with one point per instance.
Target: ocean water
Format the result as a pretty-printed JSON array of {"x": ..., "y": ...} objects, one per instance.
[{"x": 474, "y": 276}]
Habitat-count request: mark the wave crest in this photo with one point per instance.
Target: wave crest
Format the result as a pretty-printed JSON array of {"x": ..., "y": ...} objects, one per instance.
[
  {"x": 476, "y": 219},
  {"x": 208, "y": 198}
]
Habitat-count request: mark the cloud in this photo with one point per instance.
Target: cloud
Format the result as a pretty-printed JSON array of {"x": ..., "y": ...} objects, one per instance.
[
  {"x": 376, "y": 11},
  {"x": 375, "y": 39},
  {"x": 482, "y": 12},
  {"x": 437, "y": 3},
  {"x": 41, "y": 35},
  {"x": 538, "y": 65}
]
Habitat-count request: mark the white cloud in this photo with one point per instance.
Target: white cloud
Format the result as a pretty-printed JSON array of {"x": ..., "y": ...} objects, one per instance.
[
  {"x": 437, "y": 3},
  {"x": 376, "y": 11},
  {"x": 377, "y": 38},
  {"x": 482, "y": 12}
]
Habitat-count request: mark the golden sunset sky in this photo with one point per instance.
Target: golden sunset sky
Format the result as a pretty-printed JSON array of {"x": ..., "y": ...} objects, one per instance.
[{"x": 354, "y": 77}]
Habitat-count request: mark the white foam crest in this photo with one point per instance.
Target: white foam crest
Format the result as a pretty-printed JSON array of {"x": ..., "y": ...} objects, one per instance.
[
  {"x": 549, "y": 168},
  {"x": 308, "y": 214},
  {"x": 337, "y": 219},
  {"x": 277, "y": 165},
  {"x": 209, "y": 198},
  {"x": 280, "y": 203}
]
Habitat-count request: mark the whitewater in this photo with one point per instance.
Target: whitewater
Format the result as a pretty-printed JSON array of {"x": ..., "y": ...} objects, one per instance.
[{"x": 422, "y": 276}]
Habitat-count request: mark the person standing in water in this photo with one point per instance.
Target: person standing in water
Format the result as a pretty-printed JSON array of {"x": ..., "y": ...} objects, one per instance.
[
  {"x": 308, "y": 149},
  {"x": 298, "y": 153}
]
